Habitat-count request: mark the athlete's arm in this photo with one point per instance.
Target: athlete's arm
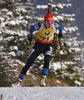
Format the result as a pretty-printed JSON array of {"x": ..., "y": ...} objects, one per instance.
[
  {"x": 58, "y": 26},
  {"x": 60, "y": 31},
  {"x": 34, "y": 28}
]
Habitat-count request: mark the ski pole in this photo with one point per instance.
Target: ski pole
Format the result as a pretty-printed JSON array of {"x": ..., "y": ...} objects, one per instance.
[
  {"x": 49, "y": 8},
  {"x": 62, "y": 71},
  {"x": 30, "y": 46}
]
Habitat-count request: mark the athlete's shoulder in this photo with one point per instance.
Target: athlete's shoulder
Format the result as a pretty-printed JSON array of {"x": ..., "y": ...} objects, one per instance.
[
  {"x": 38, "y": 25},
  {"x": 40, "y": 22}
]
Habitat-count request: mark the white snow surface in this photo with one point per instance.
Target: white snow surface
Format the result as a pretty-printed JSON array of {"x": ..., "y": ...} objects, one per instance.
[{"x": 42, "y": 93}]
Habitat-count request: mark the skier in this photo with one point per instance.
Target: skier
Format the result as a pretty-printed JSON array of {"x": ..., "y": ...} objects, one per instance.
[{"x": 43, "y": 44}]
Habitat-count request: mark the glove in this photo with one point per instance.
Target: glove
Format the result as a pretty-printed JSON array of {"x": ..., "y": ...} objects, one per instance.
[
  {"x": 60, "y": 35},
  {"x": 29, "y": 38}
]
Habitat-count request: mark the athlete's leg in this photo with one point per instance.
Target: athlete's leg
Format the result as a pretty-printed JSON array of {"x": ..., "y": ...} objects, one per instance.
[
  {"x": 33, "y": 55},
  {"x": 47, "y": 58}
]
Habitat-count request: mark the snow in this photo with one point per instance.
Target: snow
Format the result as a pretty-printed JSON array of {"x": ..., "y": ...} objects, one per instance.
[
  {"x": 71, "y": 19},
  {"x": 58, "y": 81},
  {"x": 4, "y": 10},
  {"x": 57, "y": 65},
  {"x": 1, "y": 38},
  {"x": 20, "y": 9},
  {"x": 19, "y": 53},
  {"x": 9, "y": 38},
  {"x": 41, "y": 6},
  {"x": 18, "y": 61},
  {"x": 75, "y": 43},
  {"x": 70, "y": 29},
  {"x": 12, "y": 22},
  {"x": 39, "y": 18},
  {"x": 10, "y": 13},
  {"x": 77, "y": 82},
  {"x": 69, "y": 5},
  {"x": 12, "y": 53},
  {"x": 77, "y": 50},
  {"x": 76, "y": 59},
  {"x": 42, "y": 93},
  {"x": 60, "y": 6},
  {"x": 68, "y": 43},
  {"x": 69, "y": 63},
  {"x": 1, "y": 20},
  {"x": 13, "y": 48},
  {"x": 62, "y": 52},
  {"x": 68, "y": 0},
  {"x": 1, "y": 48},
  {"x": 56, "y": 19},
  {"x": 60, "y": 18},
  {"x": 68, "y": 15}
]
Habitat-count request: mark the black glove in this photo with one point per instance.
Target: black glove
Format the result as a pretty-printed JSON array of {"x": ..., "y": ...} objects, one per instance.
[
  {"x": 60, "y": 35},
  {"x": 29, "y": 38}
]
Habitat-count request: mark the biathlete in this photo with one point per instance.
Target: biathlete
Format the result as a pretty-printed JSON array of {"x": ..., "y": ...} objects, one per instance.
[{"x": 43, "y": 44}]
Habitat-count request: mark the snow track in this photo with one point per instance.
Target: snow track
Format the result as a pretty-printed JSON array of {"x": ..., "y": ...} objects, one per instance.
[{"x": 42, "y": 93}]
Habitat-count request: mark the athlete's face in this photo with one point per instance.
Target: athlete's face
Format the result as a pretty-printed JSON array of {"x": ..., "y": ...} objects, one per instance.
[{"x": 48, "y": 24}]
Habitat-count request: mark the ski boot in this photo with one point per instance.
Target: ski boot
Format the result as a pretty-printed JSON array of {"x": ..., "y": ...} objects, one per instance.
[
  {"x": 17, "y": 83},
  {"x": 42, "y": 81}
]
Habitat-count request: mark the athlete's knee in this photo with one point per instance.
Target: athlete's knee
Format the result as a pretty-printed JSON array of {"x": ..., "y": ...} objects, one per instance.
[{"x": 49, "y": 52}]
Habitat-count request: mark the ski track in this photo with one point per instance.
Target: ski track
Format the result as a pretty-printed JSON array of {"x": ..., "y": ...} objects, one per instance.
[{"x": 42, "y": 93}]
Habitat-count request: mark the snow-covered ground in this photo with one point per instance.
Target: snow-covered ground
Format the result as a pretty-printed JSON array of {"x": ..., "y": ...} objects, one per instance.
[{"x": 42, "y": 93}]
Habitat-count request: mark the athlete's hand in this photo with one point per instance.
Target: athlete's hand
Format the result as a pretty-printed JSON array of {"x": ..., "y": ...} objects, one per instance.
[
  {"x": 60, "y": 35},
  {"x": 29, "y": 38}
]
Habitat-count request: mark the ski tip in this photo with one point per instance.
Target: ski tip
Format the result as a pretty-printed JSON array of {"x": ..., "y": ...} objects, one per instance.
[
  {"x": 43, "y": 85},
  {"x": 12, "y": 86}
]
